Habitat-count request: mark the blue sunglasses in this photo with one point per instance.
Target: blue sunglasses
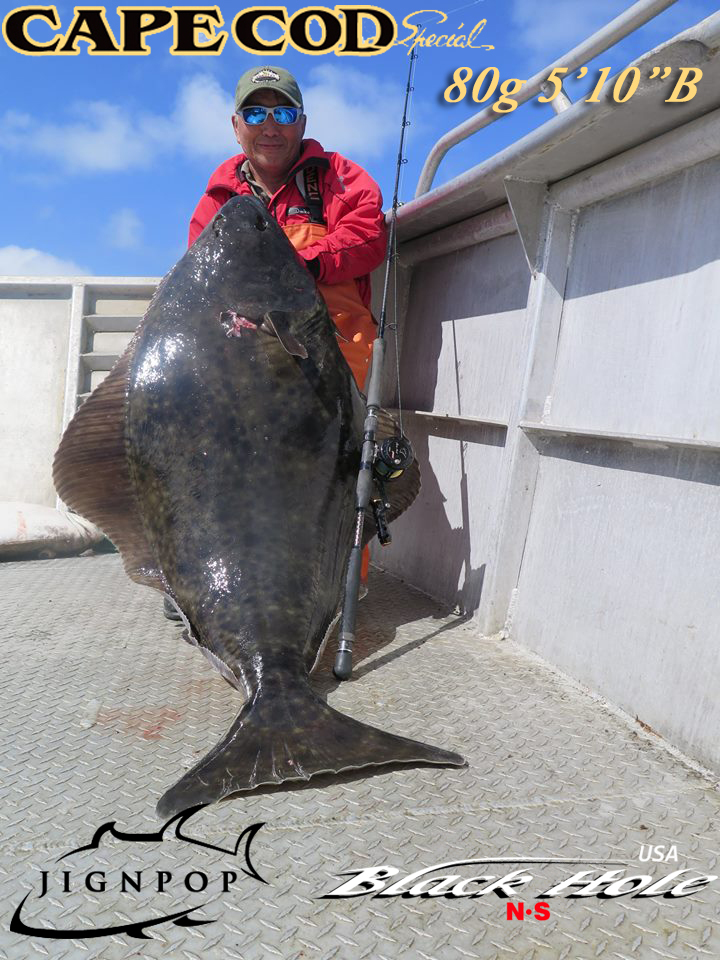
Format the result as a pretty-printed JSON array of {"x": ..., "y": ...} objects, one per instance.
[{"x": 256, "y": 115}]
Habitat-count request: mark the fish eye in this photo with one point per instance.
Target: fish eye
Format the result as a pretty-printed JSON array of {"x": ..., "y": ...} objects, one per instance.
[{"x": 260, "y": 223}]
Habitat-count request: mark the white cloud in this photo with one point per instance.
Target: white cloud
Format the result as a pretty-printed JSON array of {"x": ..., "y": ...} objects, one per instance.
[
  {"x": 124, "y": 229},
  {"x": 101, "y": 137},
  {"x": 202, "y": 118},
  {"x": 28, "y": 262},
  {"x": 352, "y": 111}
]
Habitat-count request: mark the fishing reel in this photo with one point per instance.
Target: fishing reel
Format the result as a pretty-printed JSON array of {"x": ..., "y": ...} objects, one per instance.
[
  {"x": 392, "y": 458},
  {"x": 394, "y": 455}
]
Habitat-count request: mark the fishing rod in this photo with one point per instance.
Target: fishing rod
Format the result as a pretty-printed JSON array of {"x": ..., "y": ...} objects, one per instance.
[{"x": 379, "y": 463}]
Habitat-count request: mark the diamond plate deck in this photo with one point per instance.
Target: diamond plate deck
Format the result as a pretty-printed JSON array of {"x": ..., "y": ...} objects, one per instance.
[{"x": 103, "y": 706}]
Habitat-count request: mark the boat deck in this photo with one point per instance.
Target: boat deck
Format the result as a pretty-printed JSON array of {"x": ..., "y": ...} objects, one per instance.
[{"x": 104, "y": 706}]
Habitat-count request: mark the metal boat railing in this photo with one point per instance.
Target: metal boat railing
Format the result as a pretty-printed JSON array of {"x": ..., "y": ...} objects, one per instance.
[{"x": 619, "y": 28}]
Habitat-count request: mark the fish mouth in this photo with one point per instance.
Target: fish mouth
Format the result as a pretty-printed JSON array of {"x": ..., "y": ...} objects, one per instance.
[
  {"x": 274, "y": 324},
  {"x": 234, "y": 323}
]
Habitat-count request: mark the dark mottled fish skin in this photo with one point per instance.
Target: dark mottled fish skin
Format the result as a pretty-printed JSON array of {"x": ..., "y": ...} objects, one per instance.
[
  {"x": 243, "y": 456},
  {"x": 245, "y": 474}
]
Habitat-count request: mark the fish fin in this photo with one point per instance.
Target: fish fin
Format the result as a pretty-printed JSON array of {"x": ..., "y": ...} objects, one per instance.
[
  {"x": 291, "y": 734},
  {"x": 401, "y": 492},
  {"x": 275, "y": 324},
  {"x": 92, "y": 477}
]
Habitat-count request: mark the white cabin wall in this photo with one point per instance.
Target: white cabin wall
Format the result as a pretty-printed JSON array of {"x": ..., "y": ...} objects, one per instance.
[
  {"x": 461, "y": 365},
  {"x": 584, "y": 522},
  {"x": 34, "y": 334}
]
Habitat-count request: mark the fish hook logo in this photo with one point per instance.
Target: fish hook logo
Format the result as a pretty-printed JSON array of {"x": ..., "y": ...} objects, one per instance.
[{"x": 137, "y": 928}]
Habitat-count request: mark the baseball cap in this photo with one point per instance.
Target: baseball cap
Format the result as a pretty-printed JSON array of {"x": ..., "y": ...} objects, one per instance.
[{"x": 268, "y": 78}]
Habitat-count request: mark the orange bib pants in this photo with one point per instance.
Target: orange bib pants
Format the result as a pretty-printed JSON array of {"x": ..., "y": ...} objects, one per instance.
[{"x": 351, "y": 317}]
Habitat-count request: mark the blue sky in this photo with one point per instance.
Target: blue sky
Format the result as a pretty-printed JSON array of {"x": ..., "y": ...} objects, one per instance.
[{"x": 102, "y": 159}]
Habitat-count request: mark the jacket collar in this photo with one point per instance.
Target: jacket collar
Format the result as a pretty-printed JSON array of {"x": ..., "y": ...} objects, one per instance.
[{"x": 228, "y": 175}]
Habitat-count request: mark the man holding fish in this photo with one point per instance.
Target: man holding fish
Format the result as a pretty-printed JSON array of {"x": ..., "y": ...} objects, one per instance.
[{"x": 328, "y": 206}]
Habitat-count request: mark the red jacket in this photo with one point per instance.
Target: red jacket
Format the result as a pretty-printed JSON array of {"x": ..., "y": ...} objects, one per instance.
[{"x": 352, "y": 206}]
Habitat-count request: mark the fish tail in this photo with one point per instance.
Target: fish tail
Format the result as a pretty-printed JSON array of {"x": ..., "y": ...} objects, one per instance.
[{"x": 291, "y": 735}]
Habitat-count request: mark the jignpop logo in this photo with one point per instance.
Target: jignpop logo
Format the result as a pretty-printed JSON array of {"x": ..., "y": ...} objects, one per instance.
[{"x": 187, "y": 884}]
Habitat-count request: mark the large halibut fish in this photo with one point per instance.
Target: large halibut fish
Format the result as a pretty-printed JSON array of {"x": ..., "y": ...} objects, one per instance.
[{"x": 220, "y": 455}]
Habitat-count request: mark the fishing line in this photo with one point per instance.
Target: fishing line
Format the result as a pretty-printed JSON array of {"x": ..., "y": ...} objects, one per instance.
[
  {"x": 395, "y": 257},
  {"x": 397, "y": 340},
  {"x": 463, "y": 6},
  {"x": 401, "y": 160},
  {"x": 392, "y": 254}
]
